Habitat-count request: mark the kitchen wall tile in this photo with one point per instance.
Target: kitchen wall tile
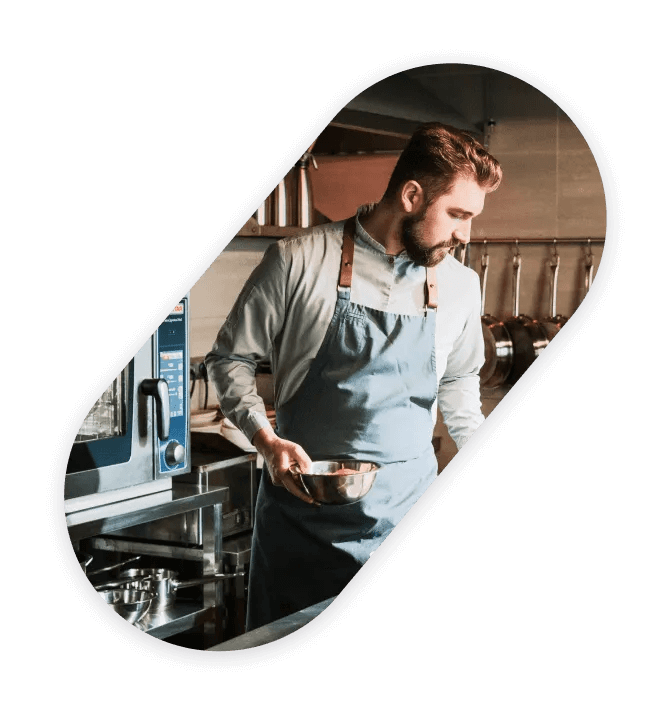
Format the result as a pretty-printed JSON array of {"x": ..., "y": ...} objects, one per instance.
[
  {"x": 580, "y": 195},
  {"x": 525, "y": 204},
  {"x": 569, "y": 136}
]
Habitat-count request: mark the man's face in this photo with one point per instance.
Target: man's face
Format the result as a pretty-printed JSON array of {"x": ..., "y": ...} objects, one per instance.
[{"x": 428, "y": 235}]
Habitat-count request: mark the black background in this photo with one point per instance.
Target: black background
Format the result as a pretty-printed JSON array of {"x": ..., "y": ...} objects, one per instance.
[{"x": 509, "y": 546}]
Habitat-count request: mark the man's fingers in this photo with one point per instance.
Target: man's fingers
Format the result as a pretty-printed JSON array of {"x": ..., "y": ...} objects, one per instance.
[
  {"x": 292, "y": 484},
  {"x": 303, "y": 461},
  {"x": 286, "y": 462}
]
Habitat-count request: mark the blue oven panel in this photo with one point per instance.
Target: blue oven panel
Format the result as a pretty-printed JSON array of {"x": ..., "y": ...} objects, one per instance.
[{"x": 173, "y": 368}]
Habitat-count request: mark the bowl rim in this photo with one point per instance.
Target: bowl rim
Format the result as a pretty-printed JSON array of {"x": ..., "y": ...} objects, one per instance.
[
  {"x": 373, "y": 468},
  {"x": 147, "y": 595}
]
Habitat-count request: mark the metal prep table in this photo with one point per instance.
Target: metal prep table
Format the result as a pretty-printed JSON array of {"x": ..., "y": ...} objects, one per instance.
[
  {"x": 276, "y": 630},
  {"x": 181, "y": 498}
]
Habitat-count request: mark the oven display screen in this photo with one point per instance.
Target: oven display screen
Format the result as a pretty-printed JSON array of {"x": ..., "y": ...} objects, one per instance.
[{"x": 172, "y": 371}]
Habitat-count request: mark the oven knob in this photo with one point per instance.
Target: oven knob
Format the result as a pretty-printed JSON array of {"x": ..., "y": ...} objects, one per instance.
[{"x": 174, "y": 454}]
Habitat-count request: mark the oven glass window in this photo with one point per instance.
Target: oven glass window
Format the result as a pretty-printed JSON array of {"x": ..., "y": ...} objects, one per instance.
[{"x": 107, "y": 417}]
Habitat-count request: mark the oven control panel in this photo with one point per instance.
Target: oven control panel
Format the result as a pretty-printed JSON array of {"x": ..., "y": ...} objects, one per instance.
[{"x": 173, "y": 367}]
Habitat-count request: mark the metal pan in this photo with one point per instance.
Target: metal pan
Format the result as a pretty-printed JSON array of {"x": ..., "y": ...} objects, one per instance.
[
  {"x": 136, "y": 581},
  {"x": 554, "y": 322},
  {"x": 85, "y": 560},
  {"x": 529, "y": 338},
  {"x": 498, "y": 352},
  {"x": 166, "y": 583},
  {"x": 131, "y": 604},
  {"x": 113, "y": 567}
]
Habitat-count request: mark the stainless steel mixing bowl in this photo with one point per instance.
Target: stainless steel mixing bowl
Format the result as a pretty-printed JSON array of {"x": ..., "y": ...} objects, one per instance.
[
  {"x": 130, "y": 604},
  {"x": 336, "y": 489}
]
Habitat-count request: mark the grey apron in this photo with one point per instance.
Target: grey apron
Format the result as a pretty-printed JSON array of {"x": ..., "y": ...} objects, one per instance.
[{"x": 368, "y": 395}]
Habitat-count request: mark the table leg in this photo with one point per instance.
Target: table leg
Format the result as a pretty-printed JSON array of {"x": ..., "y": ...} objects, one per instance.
[{"x": 212, "y": 562}]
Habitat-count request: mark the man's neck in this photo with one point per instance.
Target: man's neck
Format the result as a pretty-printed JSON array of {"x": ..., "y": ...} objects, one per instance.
[{"x": 383, "y": 224}]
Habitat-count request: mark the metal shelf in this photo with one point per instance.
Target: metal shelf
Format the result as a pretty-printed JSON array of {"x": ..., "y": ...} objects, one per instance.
[
  {"x": 140, "y": 510},
  {"x": 538, "y": 239}
]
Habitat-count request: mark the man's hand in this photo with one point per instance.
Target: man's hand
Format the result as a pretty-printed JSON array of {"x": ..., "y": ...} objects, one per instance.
[{"x": 280, "y": 456}]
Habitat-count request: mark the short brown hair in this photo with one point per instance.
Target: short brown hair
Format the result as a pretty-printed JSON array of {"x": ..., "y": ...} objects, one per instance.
[{"x": 438, "y": 154}]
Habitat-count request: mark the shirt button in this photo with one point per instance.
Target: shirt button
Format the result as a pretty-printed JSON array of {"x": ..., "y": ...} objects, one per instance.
[{"x": 391, "y": 260}]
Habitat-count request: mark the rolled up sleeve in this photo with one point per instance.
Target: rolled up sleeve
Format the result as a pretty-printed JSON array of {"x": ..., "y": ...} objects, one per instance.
[
  {"x": 247, "y": 338},
  {"x": 458, "y": 392}
]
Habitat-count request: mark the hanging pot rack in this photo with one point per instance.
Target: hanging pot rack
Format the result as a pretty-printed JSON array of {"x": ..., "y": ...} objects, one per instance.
[{"x": 540, "y": 240}]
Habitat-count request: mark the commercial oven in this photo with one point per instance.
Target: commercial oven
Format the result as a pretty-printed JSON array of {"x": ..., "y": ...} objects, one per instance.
[{"x": 136, "y": 436}]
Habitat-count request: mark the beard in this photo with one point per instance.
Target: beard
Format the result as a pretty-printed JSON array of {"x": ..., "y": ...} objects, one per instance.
[{"x": 411, "y": 236}]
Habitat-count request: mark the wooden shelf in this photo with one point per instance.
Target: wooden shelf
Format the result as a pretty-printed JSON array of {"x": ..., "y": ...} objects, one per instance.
[{"x": 251, "y": 229}]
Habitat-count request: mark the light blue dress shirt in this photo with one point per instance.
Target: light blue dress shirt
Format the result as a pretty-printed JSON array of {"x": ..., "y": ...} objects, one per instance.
[{"x": 284, "y": 309}]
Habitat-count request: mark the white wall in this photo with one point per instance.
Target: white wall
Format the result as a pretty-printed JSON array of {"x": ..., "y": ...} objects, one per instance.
[{"x": 213, "y": 295}]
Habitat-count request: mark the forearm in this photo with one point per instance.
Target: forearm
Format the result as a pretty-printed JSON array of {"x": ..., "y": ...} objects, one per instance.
[
  {"x": 264, "y": 439},
  {"x": 234, "y": 380},
  {"x": 460, "y": 403},
  {"x": 458, "y": 393}
]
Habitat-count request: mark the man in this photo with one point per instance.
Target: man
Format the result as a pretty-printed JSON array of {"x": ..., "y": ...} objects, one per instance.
[{"x": 369, "y": 324}]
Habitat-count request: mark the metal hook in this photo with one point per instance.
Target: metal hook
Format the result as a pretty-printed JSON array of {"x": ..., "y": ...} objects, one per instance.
[
  {"x": 485, "y": 256},
  {"x": 589, "y": 254}
]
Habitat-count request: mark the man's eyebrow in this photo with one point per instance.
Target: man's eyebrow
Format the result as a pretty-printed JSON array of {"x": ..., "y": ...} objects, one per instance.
[{"x": 463, "y": 212}]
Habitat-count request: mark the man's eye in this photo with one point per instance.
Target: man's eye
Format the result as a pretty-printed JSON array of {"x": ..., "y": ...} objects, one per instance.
[{"x": 457, "y": 218}]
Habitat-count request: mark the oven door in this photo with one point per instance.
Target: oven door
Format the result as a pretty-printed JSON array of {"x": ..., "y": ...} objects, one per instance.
[{"x": 115, "y": 446}]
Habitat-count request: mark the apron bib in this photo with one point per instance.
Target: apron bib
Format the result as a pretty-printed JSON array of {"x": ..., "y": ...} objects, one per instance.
[{"x": 368, "y": 395}]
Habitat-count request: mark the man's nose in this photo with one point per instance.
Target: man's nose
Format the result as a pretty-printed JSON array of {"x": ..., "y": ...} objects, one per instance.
[{"x": 462, "y": 234}]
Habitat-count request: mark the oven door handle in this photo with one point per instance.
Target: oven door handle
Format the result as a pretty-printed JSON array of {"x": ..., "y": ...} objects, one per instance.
[{"x": 158, "y": 389}]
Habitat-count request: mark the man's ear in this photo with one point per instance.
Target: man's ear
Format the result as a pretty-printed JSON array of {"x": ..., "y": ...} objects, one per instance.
[{"x": 411, "y": 196}]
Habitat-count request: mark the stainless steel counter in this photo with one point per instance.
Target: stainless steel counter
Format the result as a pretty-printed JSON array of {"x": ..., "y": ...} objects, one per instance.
[
  {"x": 176, "y": 499},
  {"x": 274, "y": 631},
  {"x": 102, "y": 520}
]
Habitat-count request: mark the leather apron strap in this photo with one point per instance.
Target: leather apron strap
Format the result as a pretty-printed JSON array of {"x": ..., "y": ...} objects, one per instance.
[
  {"x": 347, "y": 265},
  {"x": 431, "y": 287}
]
